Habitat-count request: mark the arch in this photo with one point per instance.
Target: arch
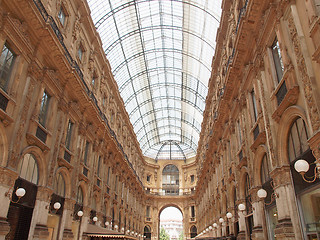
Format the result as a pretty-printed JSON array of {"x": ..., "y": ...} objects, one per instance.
[
  {"x": 193, "y": 231},
  {"x": 243, "y": 175},
  {"x": 66, "y": 176},
  {"x": 288, "y": 117},
  {"x": 165, "y": 205},
  {"x": 28, "y": 168},
  {"x": 3, "y": 146},
  {"x": 40, "y": 159},
  {"x": 259, "y": 154},
  {"x": 59, "y": 185}
]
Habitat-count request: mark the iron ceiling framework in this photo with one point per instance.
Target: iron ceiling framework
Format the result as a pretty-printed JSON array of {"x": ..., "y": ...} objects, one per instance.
[{"x": 160, "y": 53}]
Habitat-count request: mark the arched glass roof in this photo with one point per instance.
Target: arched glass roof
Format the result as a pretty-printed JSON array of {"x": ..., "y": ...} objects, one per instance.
[{"x": 160, "y": 53}]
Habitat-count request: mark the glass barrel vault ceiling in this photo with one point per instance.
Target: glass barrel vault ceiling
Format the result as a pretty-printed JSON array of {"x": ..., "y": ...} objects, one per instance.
[{"x": 160, "y": 54}]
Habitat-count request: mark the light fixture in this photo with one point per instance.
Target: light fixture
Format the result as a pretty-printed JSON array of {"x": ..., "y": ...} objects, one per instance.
[
  {"x": 95, "y": 219},
  {"x": 241, "y": 207},
  {"x": 229, "y": 215},
  {"x": 122, "y": 229},
  {"x": 132, "y": 232},
  {"x": 106, "y": 223},
  {"x": 302, "y": 166},
  {"x": 207, "y": 229},
  {"x": 80, "y": 213},
  {"x": 20, "y": 192},
  {"x": 57, "y": 205},
  {"x": 128, "y": 231},
  {"x": 221, "y": 220},
  {"x": 215, "y": 225},
  {"x": 262, "y": 194},
  {"x": 210, "y": 228},
  {"x": 116, "y": 226}
]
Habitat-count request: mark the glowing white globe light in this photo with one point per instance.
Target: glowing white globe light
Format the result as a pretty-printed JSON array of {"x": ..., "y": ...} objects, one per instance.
[
  {"x": 241, "y": 207},
  {"x": 215, "y": 225},
  {"x": 56, "y": 205},
  {"x": 80, "y": 213},
  {"x": 262, "y": 193},
  {"x": 116, "y": 226},
  {"x": 210, "y": 227},
  {"x": 20, "y": 192},
  {"x": 207, "y": 230},
  {"x": 95, "y": 219},
  {"x": 106, "y": 223},
  {"x": 221, "y": 220},
  {"x": 229, "y": 215},
  {"x": 122, "y": 229},
  {"x": 301, "y": 166}
]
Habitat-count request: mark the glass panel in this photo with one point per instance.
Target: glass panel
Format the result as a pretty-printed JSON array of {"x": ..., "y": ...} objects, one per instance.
[
  {"x": 6, "y": 62},
  {"x": 28, "y": 168},
  {"x": 160, "y": 54}
]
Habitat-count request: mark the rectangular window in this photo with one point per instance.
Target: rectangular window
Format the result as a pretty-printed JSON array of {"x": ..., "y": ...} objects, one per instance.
[
  {"x": 62, "y": 16},
  {"x": 69, "y": 133},
  {"x": 254, "y": 105},
  {"x": 148, "y": 178},
  {"x": 239, "y": 133},
  {"x": 192, "y": 178},
  {"x": 193, "y": 214},
  {"x": 44, "y": 108},
  {"x": 85, "y": 158},
  {"x": 6, "y": 63},
  {"x": 277, "y": 59},
  {"x": 116, "y": 184},
  {"x": 148, "y": 211},
  {"x": 108, "y": 176},
  {"x": 98, "y": 166}
]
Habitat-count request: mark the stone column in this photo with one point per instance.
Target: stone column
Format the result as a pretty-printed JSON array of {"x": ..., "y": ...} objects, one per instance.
[
  {"x": 84, "y": 223},
  {"x": 66, "y": 220},
  {"x": 258, "y": 215},
  {"x": 7, "y": 180},
  {"x": 285, "y": 204},
  {"x": 38, "y": 226},
  {"x": 242, "y": 222}
]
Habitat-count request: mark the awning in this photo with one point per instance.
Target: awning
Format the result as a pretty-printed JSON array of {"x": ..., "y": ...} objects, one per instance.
[{"x": 96, "y": 231}]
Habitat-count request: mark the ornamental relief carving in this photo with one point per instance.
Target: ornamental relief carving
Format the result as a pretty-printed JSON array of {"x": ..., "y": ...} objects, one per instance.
[{"x": 314, "y": 114}]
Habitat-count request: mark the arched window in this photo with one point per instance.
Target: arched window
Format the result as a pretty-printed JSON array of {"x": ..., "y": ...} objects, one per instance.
[
  {"x": 297, "y": 139},
  {"x": 193, "y": 231},
  {"x": 247, "y": 195},
  {"x": 170, "y": 180},
  {"x": 147, "y": 232},
  {"x": 265, "y": 170},
  {"x": 79, "y": 196},
  {"x": 28, "y": 168},
  {"x": 59, "y": 185}
]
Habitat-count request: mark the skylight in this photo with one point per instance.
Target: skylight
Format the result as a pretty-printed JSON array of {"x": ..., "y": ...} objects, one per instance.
[{"x": 160, "y": 54}]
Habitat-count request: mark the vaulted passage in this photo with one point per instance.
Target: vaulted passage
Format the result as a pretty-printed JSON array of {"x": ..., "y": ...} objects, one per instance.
[{"x": 117, "y": 113}]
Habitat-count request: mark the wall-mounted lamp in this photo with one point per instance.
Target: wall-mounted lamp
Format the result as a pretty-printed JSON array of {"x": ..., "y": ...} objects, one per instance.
[
  {"x": 302, "y": 166},
  {"x": 20, "y": 192},
  {"x": 94, "y": 219},
  {"x": 128, "y": 231},
  {"x": 116, "y": 227},
  {"x": 122, "y": 229},
  {"x": 210, "y": 228},
  {"x": 215, "y": 225},
  {"x": 221, "y": 220},
  {"x": 80, "y": 213},
  {"x": 262, "y": 194},
  {"x": 229, "y": 215},
  {"x": 241, "y": 207}
]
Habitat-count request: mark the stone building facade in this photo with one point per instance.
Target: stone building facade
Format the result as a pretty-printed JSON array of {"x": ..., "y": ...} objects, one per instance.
[{"x": 66, "y": 137}]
